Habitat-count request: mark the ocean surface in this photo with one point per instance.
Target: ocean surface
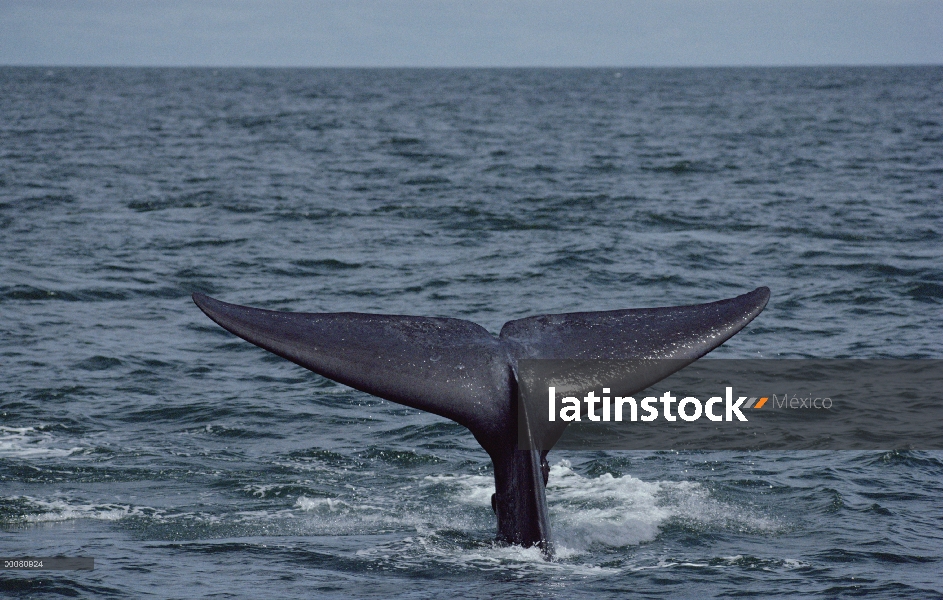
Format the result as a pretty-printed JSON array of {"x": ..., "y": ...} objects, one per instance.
[{"x": 190, "y": 463}]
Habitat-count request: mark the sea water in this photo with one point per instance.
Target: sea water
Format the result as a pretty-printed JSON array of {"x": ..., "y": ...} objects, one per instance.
[{"x": 190, "y": 463}]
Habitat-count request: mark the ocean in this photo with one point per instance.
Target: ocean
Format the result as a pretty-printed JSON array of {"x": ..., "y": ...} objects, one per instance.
[{"x": 189, "y": 463}]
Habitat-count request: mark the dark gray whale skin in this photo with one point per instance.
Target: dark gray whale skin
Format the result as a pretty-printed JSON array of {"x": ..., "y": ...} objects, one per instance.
[{"x": 458, "y": 370}]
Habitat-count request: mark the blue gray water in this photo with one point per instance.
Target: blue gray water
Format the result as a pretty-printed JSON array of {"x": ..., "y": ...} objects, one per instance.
[{"x": 189, "y": 463}]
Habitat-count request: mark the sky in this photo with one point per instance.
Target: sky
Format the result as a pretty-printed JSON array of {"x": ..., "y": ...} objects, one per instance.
[{"x": 470, "y": 33}]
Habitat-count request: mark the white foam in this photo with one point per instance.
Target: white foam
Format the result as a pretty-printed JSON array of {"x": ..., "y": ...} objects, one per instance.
[
  {"x": 667, "y": 564},
  {"x": 626, "y": 511},
  {"x": 474, "y": 490},
  {"x": 29, "y": 442},
  {"x": 309, "y": 504},
  {"x": 45, "y": 511},
  {"x": 794, "y": 563},
  {"x": 612, "y": 511},
  {"x": 421, "y": 550}
]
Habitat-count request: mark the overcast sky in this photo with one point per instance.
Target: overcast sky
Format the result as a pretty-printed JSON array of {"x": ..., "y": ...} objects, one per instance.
[{"x": 449, "y": 33}]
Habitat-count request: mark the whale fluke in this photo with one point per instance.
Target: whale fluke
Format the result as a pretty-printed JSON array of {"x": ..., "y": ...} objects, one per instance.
[
  {"x": 458, "y": 370},
  {"x": 450, "y": 367}
]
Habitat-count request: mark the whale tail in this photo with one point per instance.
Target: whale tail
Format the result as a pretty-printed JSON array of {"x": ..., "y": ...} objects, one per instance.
[{"x": 458, "y": 370}]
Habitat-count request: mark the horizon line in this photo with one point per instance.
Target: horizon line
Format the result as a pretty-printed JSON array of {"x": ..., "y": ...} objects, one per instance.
[{"x": 470, "y": 67}]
